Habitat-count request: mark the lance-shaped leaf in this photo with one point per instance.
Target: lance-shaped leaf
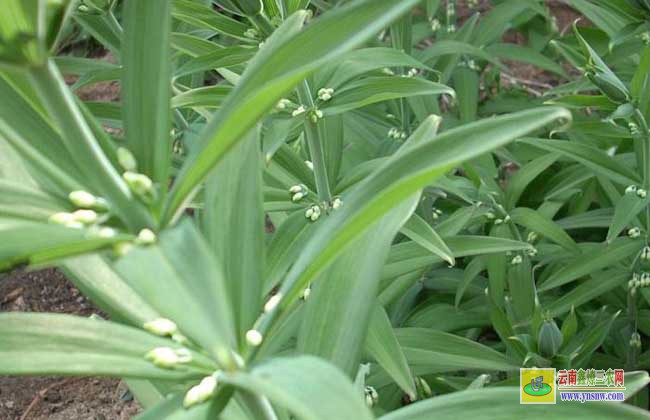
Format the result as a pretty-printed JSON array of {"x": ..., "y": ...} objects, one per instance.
[
  {"x": 146, "y": 90},
  {"x": 546, "y": 227},
  {"x": 503, "y": 403},
  {"x": 288, "y": 56},
  {"x": 601, "y": 257},
  {"x": 626, "y": 210},
  {"x": 341, "y": 295},
  {"x": 377, "y": 89},
  {"x": 436, "y": 351},
  {"x": 96, "y": 279},
  {"x": 181, "y": 279},
  {"x": 382, "y": 345},
  {"x": 309, "y": 388},
  {"x": 234, "y": 225},
  {"x": 34, "y": 243},
  {"x": 418, "y": 230},
  {"x": 593, "y": 158},
  {"x": 52, "y": 344}
]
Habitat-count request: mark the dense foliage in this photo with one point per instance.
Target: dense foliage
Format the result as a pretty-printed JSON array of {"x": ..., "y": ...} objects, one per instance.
[{"x": 331, "y": 209}]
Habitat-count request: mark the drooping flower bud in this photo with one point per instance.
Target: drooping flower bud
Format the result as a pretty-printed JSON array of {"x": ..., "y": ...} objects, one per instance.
[
  {"x": 313, "y": 213},
  {"x": 336, "y": 204},
  {"x": 87, "y": 217},
  {"x": 139, "y": 183},
  {"x": 641, "y": 193},
  {"x": 372, "y": 397},
  {"x": 273, "y": 302},
  {"x": 62, "y": 218},
  {"x": 120, "y": 249},
  {"x": 161, "y": 326},
  {"x": 299, "y": 111},
  {"x": 254, "y": 338},
  {"x": 635, "y": 232},
  {"x": 631, "y": 189},
  {"x": 516, "y": 260},
  {"x": 298, "y": 196},
  {"x": 202, "y": 392},
  {"x": 146, "y": 237},
  {"x": 164, "y": 357},
  {"x": 325, "y": 94},
  {"x": 126, "y": 159},
  {"x": 82, "y": 199}
]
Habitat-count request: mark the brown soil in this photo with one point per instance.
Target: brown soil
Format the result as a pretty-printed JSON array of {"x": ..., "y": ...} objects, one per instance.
[{"x": 54, "y": 398}]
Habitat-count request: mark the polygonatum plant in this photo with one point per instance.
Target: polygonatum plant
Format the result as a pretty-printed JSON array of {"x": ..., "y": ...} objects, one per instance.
[{"x": 305, "y": 210}]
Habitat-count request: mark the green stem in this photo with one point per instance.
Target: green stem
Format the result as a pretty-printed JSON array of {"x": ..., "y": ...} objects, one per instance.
[
  {"x": 262, "y": 23},
  {"x": 258, "y": 406},
  {"x": 315, "y": 145},
  {"x": 83, "y": 147},
  {"x": 645, "y": 171}
]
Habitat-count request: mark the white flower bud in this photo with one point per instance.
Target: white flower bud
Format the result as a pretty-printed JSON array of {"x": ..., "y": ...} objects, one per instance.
[
  {"x": 254, "y": 338},
  {"x": 296, "y": 189},
  {"x": 372, "y": 397},
  {"x": 490, "y": 216},
  {"x": 202, "y": 392},
  {"x": 139, "y": 183},
  {"x": 498, "y": 221},
  {"x": 62, "y": 218},
  {"x": 298, "y": 196},
  {"x": 164, "y": 357},
  {"x": 282, "y": 104},
  {"x": 325, "y": 94},
  {"x": 126, "y": 159},
  {"x": 313, "y": 213},
  {"x": 532, "y": 237},
  {"x": 106, "y": 232},
  {"x": 635, "y": 232},
  {"x": 122, "y": 248},
  {"x": 630, "y": 189},
  {"x": 336, "y": 204},
  {"x": 645, "y": 254},
  {"x": 86, "y": 217},
  {"x": 435, "y": 25},
  {"x": 641, "y": 193},
  {"x": 388, "y": 71},
  {"x": 273, "y": 302},
  {"x": 146, "y": 237},
  {"x": 251, "y": 33},
  {"x": 298, "y": 111},
  {"x": 516, "y": 260},
  {"x": 531, "y": 252},
  {"x": 82, "y": 199},
  {"x": 306, "y": 293},
  {"x": 309, "y": 164},
  {"x": 161, "y": 326}
]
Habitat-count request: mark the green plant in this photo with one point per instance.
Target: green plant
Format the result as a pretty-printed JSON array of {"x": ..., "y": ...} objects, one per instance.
[{"x": 305, "y": 235}]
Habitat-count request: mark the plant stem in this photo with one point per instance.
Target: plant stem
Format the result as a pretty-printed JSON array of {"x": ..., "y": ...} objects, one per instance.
[
  {"x": 645, "y": 171},
  {"x": 83, "y": 147},
  {"x": 315, "y": 145},
  {"x": 263, "y": 25},
  {"x": 259, "y": 406}
]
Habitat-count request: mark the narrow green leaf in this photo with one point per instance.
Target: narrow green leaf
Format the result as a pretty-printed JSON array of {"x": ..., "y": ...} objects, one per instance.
[{"x": 146, "y": 87}]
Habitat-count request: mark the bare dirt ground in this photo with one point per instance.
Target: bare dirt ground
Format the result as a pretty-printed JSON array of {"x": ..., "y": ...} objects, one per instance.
[{"x": 55, "y": 398}]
